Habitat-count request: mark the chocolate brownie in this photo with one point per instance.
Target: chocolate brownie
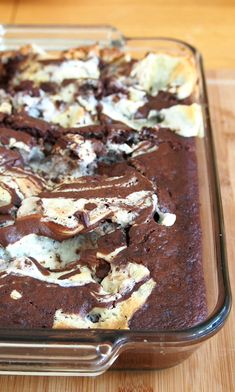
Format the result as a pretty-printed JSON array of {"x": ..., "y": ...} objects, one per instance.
[{"x": 99, "y": 196}]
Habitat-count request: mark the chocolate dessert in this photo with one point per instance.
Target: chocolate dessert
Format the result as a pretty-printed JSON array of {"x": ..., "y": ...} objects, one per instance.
[{"x": 99, "y": 196}]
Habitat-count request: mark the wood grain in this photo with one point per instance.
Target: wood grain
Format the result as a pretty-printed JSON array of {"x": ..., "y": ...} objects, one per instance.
[
  {"x": 212, "y": 367},
  {"x": 7, "y": 11},
  {"x": 209, "y": 26}
]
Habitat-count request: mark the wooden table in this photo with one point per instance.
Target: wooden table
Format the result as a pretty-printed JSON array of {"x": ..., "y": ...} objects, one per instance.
[{"x": 211, "y": 27}]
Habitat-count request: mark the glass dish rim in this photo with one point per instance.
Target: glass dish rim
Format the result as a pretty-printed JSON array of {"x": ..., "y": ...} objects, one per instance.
[{"x": 193, "y": 334}]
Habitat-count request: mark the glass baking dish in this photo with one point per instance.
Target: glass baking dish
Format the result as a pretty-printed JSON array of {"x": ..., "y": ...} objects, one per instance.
[{"x": 92, "y": 352}]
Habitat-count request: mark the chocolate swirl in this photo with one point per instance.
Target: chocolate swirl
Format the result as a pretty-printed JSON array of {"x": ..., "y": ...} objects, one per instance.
[{"x": 99, "y": 205}]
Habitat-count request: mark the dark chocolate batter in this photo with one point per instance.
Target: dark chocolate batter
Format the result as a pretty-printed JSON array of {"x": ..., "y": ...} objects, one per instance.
[{"x": 165, "y": 166}]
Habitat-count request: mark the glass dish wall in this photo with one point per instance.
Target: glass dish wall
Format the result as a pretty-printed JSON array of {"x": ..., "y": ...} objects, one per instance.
[{"x": 91, "y": 352}]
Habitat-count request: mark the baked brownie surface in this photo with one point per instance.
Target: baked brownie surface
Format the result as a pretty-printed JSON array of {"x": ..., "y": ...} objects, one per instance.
[{"x": 99, "y": 199}]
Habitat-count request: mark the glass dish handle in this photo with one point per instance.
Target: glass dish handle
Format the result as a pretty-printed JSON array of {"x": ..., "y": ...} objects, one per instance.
[{"x": 82, "y": 359}]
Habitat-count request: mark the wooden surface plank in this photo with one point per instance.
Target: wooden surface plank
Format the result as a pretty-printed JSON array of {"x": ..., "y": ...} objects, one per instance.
[
  {"x": 212, "y": 367},
  {"x": 209, "y": 25},
  {"x": 7, "y": 11}
]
